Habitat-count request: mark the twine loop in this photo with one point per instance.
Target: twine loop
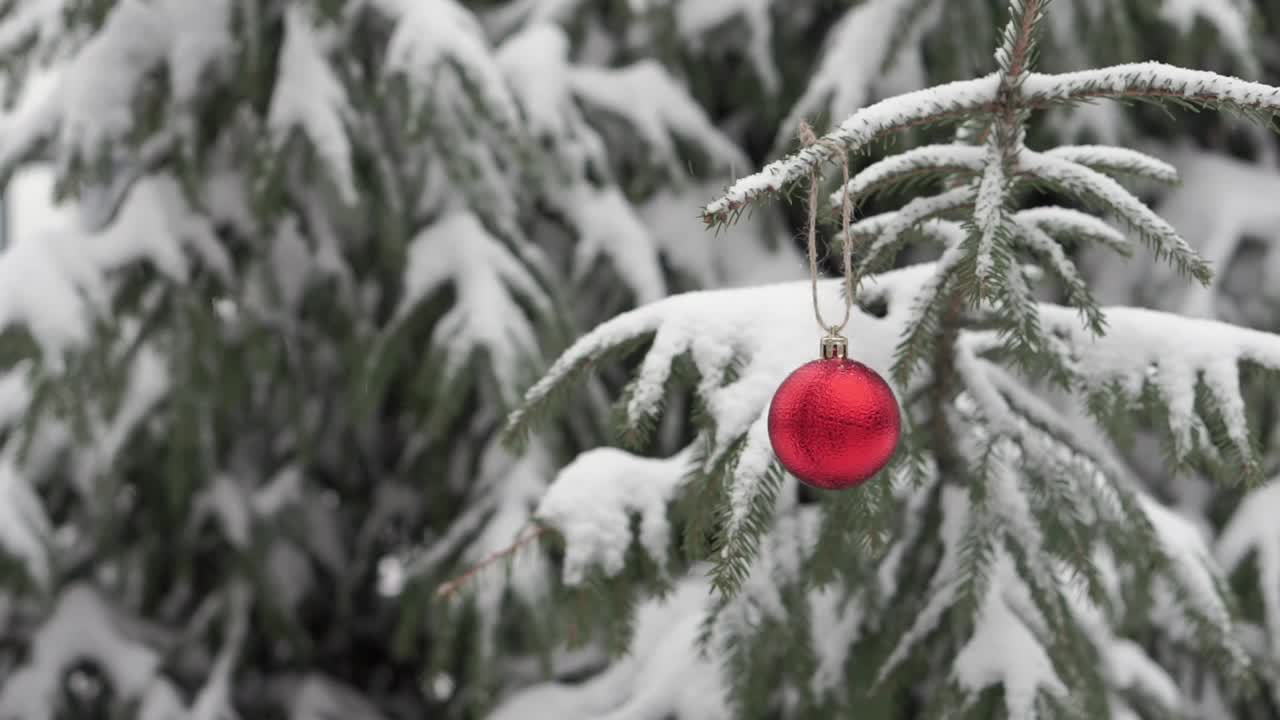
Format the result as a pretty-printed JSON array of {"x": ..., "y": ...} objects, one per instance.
[{"x": 808, "y": 139}]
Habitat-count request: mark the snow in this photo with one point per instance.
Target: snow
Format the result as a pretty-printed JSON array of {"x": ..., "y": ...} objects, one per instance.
[
  {"x": 1104, "y": 158},
  {"x": 309, "y": 99},
  {"x": 749, "y": 472},
  {"x": 317, "y": 697},
  {"x": 855, "y": 133},
  {"x": 1229, "y": 17},
  {"x": 1129, "y": 667},
  {"x": 53, "y": 277},
  {"x": 1004, "y": 650},
  {"x": 516, "y": 483},
  {"x": 988, "y": 208},
  {"x": 80, "y": 626},
  {"x": 1139, "y": 340},
  {"x": 1252, "y": 529},
  {"x": 950, "y": 259},
  {"x": 737, "y": 256},
  {"x": 15, "y": 393},
  {"x": 852, "y": 63},
  {"x": 147, "y": 384},
  {"x": 943, "y": 586},
  {"x": 96, "y": 107},
  {"x": 608, "y": 225},
  {"x": 889, "y": 227},
  {"x": 591, "y": 501},
  {"x": 25, "y": 528},
  {"x": 535, "y": 62},
  {"x": 1054, "y": 220},
  {"x": 430, "y": 33},
  {"x": 770, "y": 326},
  {"x": 1147, "y": 79},
  {"x": 1243, "y": 200},
  {"x": 1126, "y": 667},
  {"x": 31, "y": 118},
  {"x": 486, "y": 277},
  {"x": 667, "y": 110},
  {"x": 31, "y": 20},
  {"x": 1040, "y": 242},
  {"x": 911, "y": 162},
  {"x": 835, "y": 626},
  {"x": 778, "y": 565},
  {"x": 696, "y": 18},
  {"x": 1086, "y": 183},
  {"x": 661, "y": 675},
  {"x": 1195, "y": 570},
  {"x": 202, "y": 37}
]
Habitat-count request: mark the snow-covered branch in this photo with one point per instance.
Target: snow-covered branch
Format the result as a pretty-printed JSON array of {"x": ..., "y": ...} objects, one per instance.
[
  {"x": 952, "y": 102},
  {"x": 969, "y": 99}
]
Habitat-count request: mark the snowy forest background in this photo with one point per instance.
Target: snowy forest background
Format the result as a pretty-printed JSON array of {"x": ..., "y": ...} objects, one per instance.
[{"x": 274, "y": 274}]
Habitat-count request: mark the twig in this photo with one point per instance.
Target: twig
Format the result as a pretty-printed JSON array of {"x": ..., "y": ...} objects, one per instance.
[{"x": 450, "y": 587}]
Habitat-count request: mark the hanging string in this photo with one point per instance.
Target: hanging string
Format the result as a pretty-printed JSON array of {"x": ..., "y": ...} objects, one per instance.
[{"x": 808, "y": 138}]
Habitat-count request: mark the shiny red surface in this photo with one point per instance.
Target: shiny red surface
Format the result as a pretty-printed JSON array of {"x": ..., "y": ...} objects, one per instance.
[{"x": 834, "y": 423}]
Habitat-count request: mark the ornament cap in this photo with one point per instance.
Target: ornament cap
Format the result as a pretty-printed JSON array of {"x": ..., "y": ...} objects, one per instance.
[{"x": 834, "y": 346}]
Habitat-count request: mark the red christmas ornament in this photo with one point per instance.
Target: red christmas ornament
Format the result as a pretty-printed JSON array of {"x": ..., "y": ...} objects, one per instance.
[{"x": 834, "y": 422}]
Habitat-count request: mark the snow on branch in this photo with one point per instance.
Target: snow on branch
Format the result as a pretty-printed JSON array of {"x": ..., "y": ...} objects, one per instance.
[
  {"x": 309, "y": 99},
  {"x": 1156, "y": 81},
  {"x": 489, "y": 282},
  {"x": 430, "y": 34},
  {"x": 1252, "y": 530},
  {"x": 592, "y": 499},
  {"x": 92, "y": 105},
  {"x": 1116, "y": 161},
  {"x": 970, "y": 99},
  {"x": 83, "y": 625},
  {"x": 890, "y": 229},
  {"x": 1094, "y": 188},
  {"x": 871, "y": 37},
  {"x": 918, "y": 165},
  {"x": 740, "y": 344},
  {"x": 662, "y": 674},
  {"x": 1066, "y": 222},
  {"x": 952, "y": 102},
  {"x": 667, "y": 110},
  {"x": 1197, "y": 583},
  {"x": 1052, "y": 256},
  {"x": 1197, "y": 381},
  {"x": 31, "y": 23},
  {"x": 25, "y": 528},
  {"x": 55, "y": 283},
  {"x": 769, "y": 330},
  {"x": 1008, "y": 647}
]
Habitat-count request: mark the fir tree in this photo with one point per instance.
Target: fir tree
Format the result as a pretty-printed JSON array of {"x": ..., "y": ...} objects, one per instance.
[
  {"x": 1020, "y": 560},
  {"x": 305, "y": 256},
  {"x": 308, "y": 253}
]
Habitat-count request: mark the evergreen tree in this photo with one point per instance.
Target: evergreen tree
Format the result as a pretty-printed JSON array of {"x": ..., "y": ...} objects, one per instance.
[
  {"x": 1069, "y": 528},
  {"x": 308, "y": 254},
  {"x": 305, "y": 256}
]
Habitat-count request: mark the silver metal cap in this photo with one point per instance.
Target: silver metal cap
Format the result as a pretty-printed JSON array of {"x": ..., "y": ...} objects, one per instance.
[{"x": 835, "y": 347}]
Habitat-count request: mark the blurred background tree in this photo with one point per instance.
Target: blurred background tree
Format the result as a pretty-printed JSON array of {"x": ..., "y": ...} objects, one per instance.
[{"x": 305, "y": 255}]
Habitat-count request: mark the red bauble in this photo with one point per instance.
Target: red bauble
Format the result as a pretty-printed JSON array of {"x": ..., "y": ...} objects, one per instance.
[{"x": 834, "y": 423}]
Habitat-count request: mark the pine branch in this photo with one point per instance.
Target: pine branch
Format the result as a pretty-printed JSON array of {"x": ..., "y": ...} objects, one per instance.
[
  {"x": 954, "y": 102},
  {"x": 1117, "y": 161},
  {"x": 891, "y": 229},
  {"x": 910, "y": 169},
  {"x": 1093, "y": 188},
  {"x": 553, "y": 390},
  {"x": 1062, "y": 222},
  {"x": 1052, "y": 256},
  {"x": 1157, "y": 82}
]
